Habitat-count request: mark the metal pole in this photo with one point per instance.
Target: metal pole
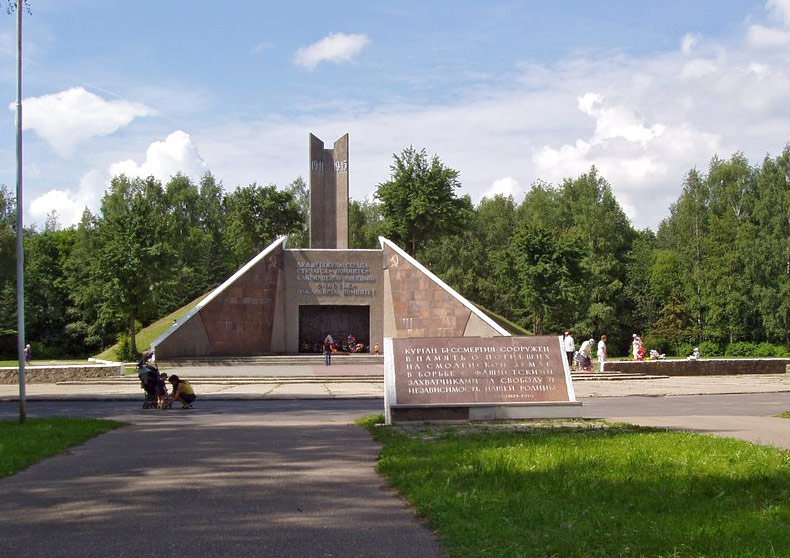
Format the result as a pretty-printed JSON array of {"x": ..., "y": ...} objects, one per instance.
[{"x": 20, "y": 256}]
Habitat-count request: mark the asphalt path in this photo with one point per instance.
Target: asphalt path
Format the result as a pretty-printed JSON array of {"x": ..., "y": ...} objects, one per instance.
[{"x": 232, "y": 479}]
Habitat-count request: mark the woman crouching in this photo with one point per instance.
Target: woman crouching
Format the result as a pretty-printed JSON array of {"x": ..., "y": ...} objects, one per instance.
[{"x": 182, "y": 391}]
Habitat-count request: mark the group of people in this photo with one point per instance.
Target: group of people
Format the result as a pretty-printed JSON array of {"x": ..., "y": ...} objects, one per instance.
[
  {"x": 181, "y": 392},
  {"x": 349, "y": 344},
  {"x": 582, "y": 359}
]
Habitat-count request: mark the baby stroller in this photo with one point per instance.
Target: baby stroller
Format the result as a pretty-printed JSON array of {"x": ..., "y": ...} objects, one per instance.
[{"x": 149, "y": 381}]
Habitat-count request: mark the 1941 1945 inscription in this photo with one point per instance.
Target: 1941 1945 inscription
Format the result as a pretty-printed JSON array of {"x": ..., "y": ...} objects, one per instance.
[{"x": 495, "y": 370}]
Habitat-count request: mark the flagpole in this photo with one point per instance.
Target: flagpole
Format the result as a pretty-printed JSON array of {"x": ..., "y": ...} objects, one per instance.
[{"x": 20, "y": 256}]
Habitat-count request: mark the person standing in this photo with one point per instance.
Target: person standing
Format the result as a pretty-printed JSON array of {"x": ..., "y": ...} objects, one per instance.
[
  {"x": 570, "y": 347},
  {"x": 327, "y": 352},
  {"x": 601, "y": 353},
  {"x": 28, "y": 354}
]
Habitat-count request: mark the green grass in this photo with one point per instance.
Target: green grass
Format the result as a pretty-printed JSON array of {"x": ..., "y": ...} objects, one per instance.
[
  {"x": 23, "y": 444},
  {"x": 589, "y": 492},
  {"x": 146, "y": 336},
  {"x": 46, "y": 362},
  {"x": 511, "y": 327},
  {"x": 786, "y": 415}
]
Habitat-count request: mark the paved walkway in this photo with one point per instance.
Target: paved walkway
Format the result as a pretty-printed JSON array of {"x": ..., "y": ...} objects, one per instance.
[{"x": 269, "y": 479}]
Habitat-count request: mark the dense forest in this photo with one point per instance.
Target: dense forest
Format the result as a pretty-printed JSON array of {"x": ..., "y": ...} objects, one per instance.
[{"x": 716, "y": 274}]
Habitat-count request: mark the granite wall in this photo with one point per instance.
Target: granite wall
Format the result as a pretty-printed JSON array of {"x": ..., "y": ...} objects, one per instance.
[
  {"x": 704, "y": 367},
  {"x": 54, "y": 374}
]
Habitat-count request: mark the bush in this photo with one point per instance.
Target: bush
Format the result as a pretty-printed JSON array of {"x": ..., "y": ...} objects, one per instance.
[
  {"x": 766, "y": 350},
  {"x": 125, "y": 352},
  {"x": 658, "y": 343},
  {"x": 685, "y": 349},
  {"x": 709, "y": 349},
  {"x": 741, "y": 349}
]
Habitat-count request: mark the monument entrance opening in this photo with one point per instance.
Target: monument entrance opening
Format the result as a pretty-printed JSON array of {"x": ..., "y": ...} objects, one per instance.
[{"x": 349, "y": 327}]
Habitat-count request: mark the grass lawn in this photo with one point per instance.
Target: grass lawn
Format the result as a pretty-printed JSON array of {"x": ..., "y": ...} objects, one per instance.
[
  {"x": 785, "y": 415},
  {"x": 590, "y": 491},
  {"x": 22, "y": 444}
]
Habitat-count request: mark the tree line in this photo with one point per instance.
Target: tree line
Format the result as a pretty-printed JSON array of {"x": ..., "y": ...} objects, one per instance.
[{"x": 715, "y": 274}]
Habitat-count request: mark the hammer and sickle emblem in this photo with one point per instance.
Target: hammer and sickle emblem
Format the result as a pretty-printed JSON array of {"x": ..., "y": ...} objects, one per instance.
[{"x": 394, "y": 260}]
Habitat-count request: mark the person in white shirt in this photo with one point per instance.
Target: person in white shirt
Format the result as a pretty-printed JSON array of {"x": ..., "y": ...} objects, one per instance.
[
  {"x": 570, "y": 346},
  {"x": 601, "y": 353},
  {"x": 585, "y": 353}
]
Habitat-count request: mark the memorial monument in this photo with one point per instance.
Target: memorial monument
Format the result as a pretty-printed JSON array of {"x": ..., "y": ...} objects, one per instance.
[{"x": 288, "y": 301}]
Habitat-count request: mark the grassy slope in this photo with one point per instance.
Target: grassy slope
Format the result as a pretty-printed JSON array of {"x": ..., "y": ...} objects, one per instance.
[
  {"x": 147, "y": 335},
  {"x": 511, "y": 327}
]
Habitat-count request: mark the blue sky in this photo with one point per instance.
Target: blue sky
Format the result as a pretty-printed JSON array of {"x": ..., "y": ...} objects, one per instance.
[{"x": 507, "y": 93}]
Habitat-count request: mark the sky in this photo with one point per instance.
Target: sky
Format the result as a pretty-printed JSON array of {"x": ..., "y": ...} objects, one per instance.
[{"x": 506, "y": 92}]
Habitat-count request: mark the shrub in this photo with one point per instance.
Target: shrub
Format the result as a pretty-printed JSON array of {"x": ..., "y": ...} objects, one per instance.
[
  {"x": 741, "y": 349},
  {"x": 654, "y": 342},
  {"x": 765, "y": 349},
  {"x": 709, "y": 349},
  {"x": 125, "y": 352},
  {"x": 684, "y": 349}
]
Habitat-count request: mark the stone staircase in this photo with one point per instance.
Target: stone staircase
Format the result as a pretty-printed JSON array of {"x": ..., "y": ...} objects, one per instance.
[
  {"x": 612, "y": 375},
  {"x": 242, "y": 380},
  {"x": 279, "y": 360},
  {"x": 367, "y": 378}
]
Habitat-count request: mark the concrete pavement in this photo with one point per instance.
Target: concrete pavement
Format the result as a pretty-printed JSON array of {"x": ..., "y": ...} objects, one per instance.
[{"x": 274, "y": 478}]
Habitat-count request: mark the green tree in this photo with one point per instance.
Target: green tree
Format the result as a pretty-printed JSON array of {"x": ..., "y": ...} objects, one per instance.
[
  {"x": 685, "y": 233},
  {"x": 256, "y": 216},
  {"x": 133, "y": 252},
  {"x": 46, "y": 293},
  {"x": 671, "y": 323},
  {"x": 771, "y": 255},
  {"x": 7, "y": 272},
  {"x": 84, "y": 289},
  {"x": 301, "y": 195},
  {"x": 365, "y": 224},
  {"x": 419, "y": 203},
  {"x": 547, "y": 267}
]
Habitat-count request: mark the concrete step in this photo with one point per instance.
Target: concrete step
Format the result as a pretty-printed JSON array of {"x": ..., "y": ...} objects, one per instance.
[
  {"x": 280, "y": 360},
  {"x": 240, "y": 380},
  {"x": 612, "y": 375}
]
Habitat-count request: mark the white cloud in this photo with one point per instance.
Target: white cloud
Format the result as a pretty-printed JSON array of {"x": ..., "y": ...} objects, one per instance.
[
  {"x": 177, "y": 153},
  {"x": 767, "y": 37},
  {"x": 337, "y": 47},
  {"x": 163, "y": 159},
  {"x": 263, "y": 47},
  {"x": 616, "y": 121},
  {"x": 71, "y": 117},
  {"x": 69, "y": 205},
  {"x": 779, "y": 10},
  {"x": 698, "y": 68},
  {"x": 507, "y": 186},
  {"x": 635, "y": 159},
  {"x": 688, "y": 43}
]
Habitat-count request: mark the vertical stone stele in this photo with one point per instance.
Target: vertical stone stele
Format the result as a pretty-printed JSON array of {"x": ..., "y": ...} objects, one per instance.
[{"x": 329, "y": 194}]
